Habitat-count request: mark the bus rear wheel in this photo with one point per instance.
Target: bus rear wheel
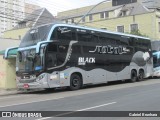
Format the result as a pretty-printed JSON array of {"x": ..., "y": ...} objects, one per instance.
[
  {"x": 75, "y": 82},
  {"x": 140, "y": 75},
  {"x": 133, "y": 76}
]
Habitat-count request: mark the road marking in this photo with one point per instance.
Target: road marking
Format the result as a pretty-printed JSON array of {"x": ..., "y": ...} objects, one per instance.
[
  {"x": 30, "y": 102},
  {"x": 6, "y": 97},
  {"x": 45, "y": 118},
  {"x": 96, "y": 106}
]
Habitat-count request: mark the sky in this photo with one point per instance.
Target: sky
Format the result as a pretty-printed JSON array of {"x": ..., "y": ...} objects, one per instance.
[{"x": 55, "y": 6}]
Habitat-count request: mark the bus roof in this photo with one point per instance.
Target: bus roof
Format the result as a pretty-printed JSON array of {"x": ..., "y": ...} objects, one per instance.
[{"x": 95, "y": 29}]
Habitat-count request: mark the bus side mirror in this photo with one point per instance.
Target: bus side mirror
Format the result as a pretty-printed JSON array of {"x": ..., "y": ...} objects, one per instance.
[{"x": 5, "y": 56}]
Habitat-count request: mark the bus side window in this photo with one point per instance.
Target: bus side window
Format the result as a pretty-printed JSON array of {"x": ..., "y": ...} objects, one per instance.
[
  {"x": 63, "y": 48},
  {"x": 84, "y": 36},
  {"x": 74, "y": 34},
  {"x": 64, "y": 33},
  {"x": 95, "y": 37},
  {"x": 54, "y": 35},
  {"x": 76, "y": 49}
]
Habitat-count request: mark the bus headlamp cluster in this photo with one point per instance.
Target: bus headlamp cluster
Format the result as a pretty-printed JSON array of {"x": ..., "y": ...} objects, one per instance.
[
  {"x": 32, "y": 76},
  {"x": 40, "y": 77}
]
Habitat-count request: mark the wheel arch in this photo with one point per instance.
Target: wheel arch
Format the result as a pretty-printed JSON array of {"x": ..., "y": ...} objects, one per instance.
[{"x": 78, "y": 73}]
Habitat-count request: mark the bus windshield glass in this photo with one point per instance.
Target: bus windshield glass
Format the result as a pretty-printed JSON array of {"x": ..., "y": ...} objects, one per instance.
[
  {"x": 35, "y": 35},
  {"x": 28, "y": 61}
]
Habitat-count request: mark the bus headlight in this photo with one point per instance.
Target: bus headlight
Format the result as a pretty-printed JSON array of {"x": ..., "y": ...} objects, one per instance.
[
  {"x": 40, "y": 77},
  {"x": 53, "y": 77}
]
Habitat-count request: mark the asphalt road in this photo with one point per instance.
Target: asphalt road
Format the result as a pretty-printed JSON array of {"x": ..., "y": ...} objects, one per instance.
[{"x": 116, "y": 96}]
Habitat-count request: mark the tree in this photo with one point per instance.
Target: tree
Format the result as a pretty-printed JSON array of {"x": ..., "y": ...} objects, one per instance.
[{"x": 137, "y": 32}]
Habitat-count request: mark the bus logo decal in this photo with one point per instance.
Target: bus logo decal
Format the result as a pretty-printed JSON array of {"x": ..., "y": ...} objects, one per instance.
[
  {"x": 83, "y": 60},
  {"x": 110, "y": 50}
]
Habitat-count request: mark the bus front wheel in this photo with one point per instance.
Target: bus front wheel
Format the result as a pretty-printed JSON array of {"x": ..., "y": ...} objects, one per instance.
[{"x": 75, "y": 82}]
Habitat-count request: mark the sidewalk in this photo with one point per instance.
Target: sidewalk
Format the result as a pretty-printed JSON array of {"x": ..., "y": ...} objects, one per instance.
[{"x": 5, "y": 92}]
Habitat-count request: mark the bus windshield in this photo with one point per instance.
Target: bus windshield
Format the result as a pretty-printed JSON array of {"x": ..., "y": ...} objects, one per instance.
[
  {"x": 35, "y": 35},
  {"x": 28, "y": 61}
]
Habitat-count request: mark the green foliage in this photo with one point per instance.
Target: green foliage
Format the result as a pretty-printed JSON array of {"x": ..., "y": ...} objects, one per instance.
[{"x": 137, "y": 32}]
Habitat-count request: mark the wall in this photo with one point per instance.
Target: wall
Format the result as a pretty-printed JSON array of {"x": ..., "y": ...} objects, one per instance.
[
  {"x": 84, "y": 9},
  {"x": 146, "y": 26},
  {"x": 3, "y": 70},
  {"x": 6, "y": 43},
  {"x": 7, "y": 73},
  {"x": 15, "y": 33}
]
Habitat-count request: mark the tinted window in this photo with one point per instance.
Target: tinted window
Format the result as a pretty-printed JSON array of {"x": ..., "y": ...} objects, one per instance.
[
  {"x": 76, "y": 49},
  {"x": 86, "y": 49},
  {"x": 62, "y": 33},
  {"x": 63, "y": 48},
  {"x": 35, "y": 35},
  {"x": 52, "y": 48},
  {"x": 74, "y": 34},
  {"x": 107, "y": 38},
  {"x": 84, "y": 35}
]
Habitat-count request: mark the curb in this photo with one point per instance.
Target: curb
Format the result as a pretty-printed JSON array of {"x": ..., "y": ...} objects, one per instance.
[{"x": 6, "y": 92}]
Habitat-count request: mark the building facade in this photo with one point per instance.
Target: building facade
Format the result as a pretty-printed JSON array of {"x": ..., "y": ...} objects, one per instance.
[
  {"x": 29, "y": 8},
  {"x": 11, "y": 12},
  {"x": 36, "y": 18},
  {"x": 126, "y": 18}
]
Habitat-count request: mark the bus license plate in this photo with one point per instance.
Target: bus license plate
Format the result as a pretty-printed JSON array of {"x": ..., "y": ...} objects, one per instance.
[{"x": 26, "y": 86}]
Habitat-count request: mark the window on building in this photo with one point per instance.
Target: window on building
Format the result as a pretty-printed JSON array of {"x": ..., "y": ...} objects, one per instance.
[
  {"x": 120, "y": 28},
  {"x": 90, "y": 17},
  {"x": 72, "y": 20},
  {"x": 104, "y": 28},
  {"x": 134, "y": 27},
  {"x": 66, "y": 21},
  {"x": 159, "y": 26},
  {"x": 19, "y": 37},
  {"x": 83, "y": 19},
  {"x": 124, "y": 13},
  {"x": 104, "y": 15}
]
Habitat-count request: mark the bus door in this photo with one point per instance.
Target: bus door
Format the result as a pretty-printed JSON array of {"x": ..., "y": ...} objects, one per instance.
[{"x": 51, "y": 62}]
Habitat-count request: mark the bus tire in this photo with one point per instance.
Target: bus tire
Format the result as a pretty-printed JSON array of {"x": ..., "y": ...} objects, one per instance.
[
  {"x": 133, "y": 76},
  {"x": 75, "y": 82},
  {"x": 140, "y": 75}
]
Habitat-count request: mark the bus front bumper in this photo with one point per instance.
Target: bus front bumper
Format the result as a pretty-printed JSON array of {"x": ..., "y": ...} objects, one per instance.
[{"x": 32, "y": 85}]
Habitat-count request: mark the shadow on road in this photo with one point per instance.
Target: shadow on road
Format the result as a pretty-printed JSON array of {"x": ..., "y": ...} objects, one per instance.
[{"x": 66, "y": 89}]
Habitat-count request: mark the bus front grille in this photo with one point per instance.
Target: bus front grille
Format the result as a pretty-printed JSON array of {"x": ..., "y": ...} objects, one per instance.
[{"x": 27, "y": 81}]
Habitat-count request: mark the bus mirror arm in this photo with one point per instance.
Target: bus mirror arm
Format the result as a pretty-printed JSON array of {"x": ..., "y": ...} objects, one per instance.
[
  {"x": 5, "y": 56},
  {"x": 39, "y": 44}
]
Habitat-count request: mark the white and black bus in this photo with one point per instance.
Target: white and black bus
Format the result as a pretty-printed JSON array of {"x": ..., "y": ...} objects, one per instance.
[{"x": 58, "y": 55}]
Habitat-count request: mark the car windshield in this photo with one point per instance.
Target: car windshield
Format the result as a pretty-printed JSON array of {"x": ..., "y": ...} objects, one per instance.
[
  {"x": 35, "y": 35},
  {"x": 28, "y": 61}
]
